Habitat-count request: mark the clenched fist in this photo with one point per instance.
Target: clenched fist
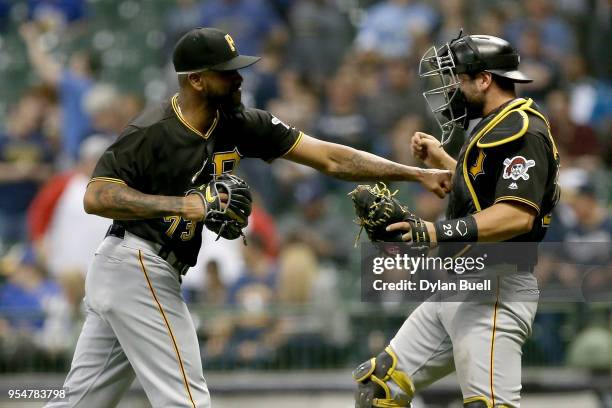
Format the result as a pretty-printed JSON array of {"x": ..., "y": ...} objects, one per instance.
[{"x": 429, "y": 149}]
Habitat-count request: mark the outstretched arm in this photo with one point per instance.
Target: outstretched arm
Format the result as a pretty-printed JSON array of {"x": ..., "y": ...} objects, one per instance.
[
  {"x": 47, "y": 68},
  {"x": 120, "y": 202},
  {"x": 346, "y": 163}
]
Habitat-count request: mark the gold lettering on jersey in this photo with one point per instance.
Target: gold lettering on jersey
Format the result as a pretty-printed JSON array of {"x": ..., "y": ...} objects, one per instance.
[
  {"x": 190, "y": 227},
  {"x": 174, "y": 221},
  {"x": 478, "y": 167},
  {"x": 226, "y": 162},
  {"x": 231, "y": 42},
  {"x": 546, "y": 220}
]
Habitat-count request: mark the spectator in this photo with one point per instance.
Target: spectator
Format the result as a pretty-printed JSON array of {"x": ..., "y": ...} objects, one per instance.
[
  {"x": 105, "y": 107},
  {"x": 72, "y": 83},
  {"x": 298, "y": 271},
  {"x": 266, "y": 85},
  {"x": 591, "y": 98},
  {"x": 389, "y": 28},
  {"x": 73, "y": 288},
  {"x": 555, "y": 35},
  {"x": 25, "y": 161},
  {"x": 398, "y": 95},
  {"x": 223, "y": 253},
  {"x": 318, "y": 223},
  {"x": 296, "y": 104},
  {"x": 596, "y": 20},
  {"x": 255, "y": 286},
  {"x": 428, "y": 205},
  {"x": 593, "y": 225},
  {"x": 285, "y": 94},
  {"x": 573, "y": 140},
  {"x": 220, "y": 261},
  {"x": 537, "y": 65},
  {"x": 253, "y": 334},
  {"x": 56, "y": 13},
  {"x": 182, "y": 17},
  {"x": 216, "y": 292},
  {"x": 251, "y": 23},
  {"x": 212, "y": 293},
  {"x": 306, "y": 68},
  {"x": 34, "y": 307},
  {"x": 320, "y": 34},
  {"x": 313, "y": 324},
  {"x": 341, "y": 120},
  {"x": 262, "y": 224},
  {"x": 491, "y": 22},
  {"x": 584, "y": 227},
  {"x": 398, "y": 139},
  {"x": 453, "y": 15},
  {"x": 57, "y": 210}
]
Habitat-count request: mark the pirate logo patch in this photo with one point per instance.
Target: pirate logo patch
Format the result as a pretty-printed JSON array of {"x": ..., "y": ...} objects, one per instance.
[{"x": 517, "y": 167}]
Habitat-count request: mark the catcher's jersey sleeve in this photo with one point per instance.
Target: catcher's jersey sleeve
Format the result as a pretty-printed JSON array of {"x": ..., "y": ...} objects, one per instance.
[
  {"x": 126, "y": 159},
  {"x": 269, "y": 138},
  {"x": 522, "y": 171}
]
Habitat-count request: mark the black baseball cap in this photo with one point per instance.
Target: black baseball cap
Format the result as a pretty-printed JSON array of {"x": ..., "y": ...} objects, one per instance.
[{"x": 211, "y": 49}]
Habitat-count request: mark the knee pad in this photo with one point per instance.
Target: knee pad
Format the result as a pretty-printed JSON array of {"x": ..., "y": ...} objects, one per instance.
[{"x": 373, "y": 378}]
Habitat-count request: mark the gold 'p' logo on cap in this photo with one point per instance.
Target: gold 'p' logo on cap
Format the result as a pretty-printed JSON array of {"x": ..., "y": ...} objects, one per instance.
[{"x": 230, "y": 42}]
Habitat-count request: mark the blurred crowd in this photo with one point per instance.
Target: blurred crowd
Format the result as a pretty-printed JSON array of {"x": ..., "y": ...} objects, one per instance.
[{"x": 343, "y": 71}]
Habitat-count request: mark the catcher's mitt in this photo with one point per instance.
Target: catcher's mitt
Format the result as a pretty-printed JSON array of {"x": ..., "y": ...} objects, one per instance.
[
  {"x": 227, "y": 222},
  {"x": 376, "y": 208}
]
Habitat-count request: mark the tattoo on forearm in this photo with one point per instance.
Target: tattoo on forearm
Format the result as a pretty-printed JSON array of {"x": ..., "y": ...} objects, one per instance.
[
  {"x": 360, "y": 166},
  {"x": 119, "y": 201}
]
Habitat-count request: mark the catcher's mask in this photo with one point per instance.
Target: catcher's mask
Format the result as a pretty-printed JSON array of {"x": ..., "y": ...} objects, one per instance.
[{"x": 468, "y": 54}]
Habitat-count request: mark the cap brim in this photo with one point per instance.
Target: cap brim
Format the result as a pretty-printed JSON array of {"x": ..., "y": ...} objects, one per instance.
[
  {"x": 516, "y": 75},
  {"x": 238, "y": 62}
]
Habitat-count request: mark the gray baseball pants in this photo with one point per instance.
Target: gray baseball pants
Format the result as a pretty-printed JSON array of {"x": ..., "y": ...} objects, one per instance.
[
  {"x": 479, "y": 339},
  {"x": 137, "y": 324}
]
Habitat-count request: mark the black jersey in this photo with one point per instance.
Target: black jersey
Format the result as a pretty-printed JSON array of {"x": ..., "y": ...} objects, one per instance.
[
  {"x": 159, "y": 153},
  {"x": 510, "y": 156}
]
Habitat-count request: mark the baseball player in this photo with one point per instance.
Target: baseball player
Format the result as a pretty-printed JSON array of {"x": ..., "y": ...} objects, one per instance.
[
  {"x": 137, "y": 323},
  {"x": 504, "y": 189}
]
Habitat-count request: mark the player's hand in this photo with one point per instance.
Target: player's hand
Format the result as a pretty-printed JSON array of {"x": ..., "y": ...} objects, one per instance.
[
  {"x": 194, "y": 208},
  {"x": 428, "y": 149},
  {"x": 437, "y": 181},
  {"x": 407, "y": 237}
]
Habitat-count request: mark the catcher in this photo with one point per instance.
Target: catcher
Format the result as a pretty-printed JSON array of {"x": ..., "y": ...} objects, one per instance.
[
  {"x": 167, "y": 175},
  {"x": 504, "y": 189}
]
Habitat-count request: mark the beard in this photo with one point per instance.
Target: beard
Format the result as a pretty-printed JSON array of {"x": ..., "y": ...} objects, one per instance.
[
  {"x": 229, "y": 103},
  {"x": 457, "y": 109},
  {"x": 460, "y": 104},
  {"x": 474, "y": 106}
]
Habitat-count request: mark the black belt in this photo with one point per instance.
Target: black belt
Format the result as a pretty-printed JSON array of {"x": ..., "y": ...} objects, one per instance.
[{"x": 164, "y": 252}]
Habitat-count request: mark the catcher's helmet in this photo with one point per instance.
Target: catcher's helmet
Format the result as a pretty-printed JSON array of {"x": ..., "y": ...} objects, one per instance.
[
  {"x": 468, "y": 54},
  {"x": 476, "y": 53}
]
